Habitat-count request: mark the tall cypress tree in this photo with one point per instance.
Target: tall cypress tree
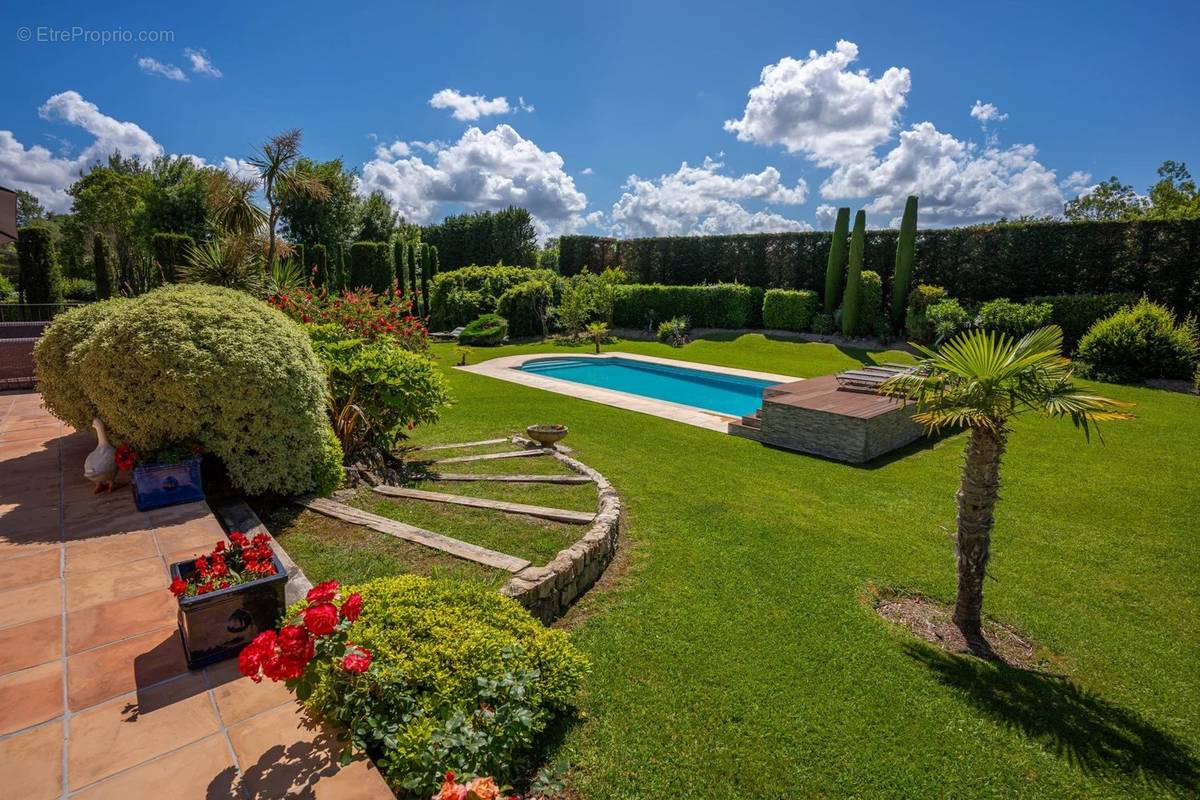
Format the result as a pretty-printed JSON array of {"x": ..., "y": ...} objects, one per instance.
[
  {"x": 321, "y": 266},
  {"x": 836, "y": 265},
  {"x": 105, "y": 267},
  {"x": 414, "y": 266},
  {"x": 39, "y": 276},
  {"x": 902, "y": 274},
  {"x": 429, "y": 258},
  {"x": 853, "y": 300},
  {"x": 400, "y": 257}
]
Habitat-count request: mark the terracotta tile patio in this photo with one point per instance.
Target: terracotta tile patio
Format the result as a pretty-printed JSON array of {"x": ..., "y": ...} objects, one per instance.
[{"x": 96, "y": 700}]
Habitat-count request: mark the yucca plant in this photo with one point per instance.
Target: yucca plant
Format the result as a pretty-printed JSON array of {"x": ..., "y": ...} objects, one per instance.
[
  {"x": 981, "y": 380},
  {"x": 230, "y": 261}
]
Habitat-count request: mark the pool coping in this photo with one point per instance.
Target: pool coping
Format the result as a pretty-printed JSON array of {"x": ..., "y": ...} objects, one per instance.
[{"x": 507, "y": 368}]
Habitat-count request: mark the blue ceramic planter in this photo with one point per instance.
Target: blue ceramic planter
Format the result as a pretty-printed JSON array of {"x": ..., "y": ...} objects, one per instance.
[{"x": 158, "y": 485}]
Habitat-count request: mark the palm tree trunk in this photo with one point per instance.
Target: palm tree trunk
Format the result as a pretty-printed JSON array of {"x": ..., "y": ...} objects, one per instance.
[{"x": 977, "y": 498}]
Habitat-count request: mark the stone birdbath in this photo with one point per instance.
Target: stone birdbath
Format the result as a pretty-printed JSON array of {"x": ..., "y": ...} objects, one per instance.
[{"x": 546, "y": 435}]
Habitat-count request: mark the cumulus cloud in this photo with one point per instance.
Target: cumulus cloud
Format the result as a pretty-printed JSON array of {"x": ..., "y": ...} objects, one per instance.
[
  {"x": 987, "y": 112},
  {"x": 482, "y": 171},
  {"x": 816, "y": 106},
  {"x": 700, "y": 200},
  {"x": 470, "y": 107},
  {"x": 35, "y": 169},
  {"x": 588, "y": 171},
  {"x": 152, "y": 66},
  {"x": 201, "y": 63}
]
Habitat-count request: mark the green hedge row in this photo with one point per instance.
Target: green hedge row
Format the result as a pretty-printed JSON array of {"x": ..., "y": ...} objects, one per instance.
[
  {"x": 1016, "y": 260},
  {"x": 788, "y": 309},
  {"x": 458, "y": 296},
  {"x": 719, "y": 305}
]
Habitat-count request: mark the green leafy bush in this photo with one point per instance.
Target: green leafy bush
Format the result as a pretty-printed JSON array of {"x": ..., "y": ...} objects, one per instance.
[
  {"x": 39, "y": 276},
  {"x": 1076, "y": 313},
  {"x": 78, "y": 289},
  {"x": 718, "y": 305},
  {"x": 946, "y": 318},
  {"x": 871, "y": 317},
  {"x": 788, "y": 310},
  {"x": 674, "y": 331},
  {"x": 393, "y": 389},
  {"x": 1138, "y": 342},
  {"x": 823, "y": 324},
  {"x": 1015, "y": 319},
  {"x": 171, "y": 252},
  {"x": 526, "y": 306},
  {"x": 458, "y": 296},
  {"x": 588, "y": 298},
  {"x": 490, "y": 329},
  {"x": 204, "y": 364},
  {"x": 371, "y": 266},
  {"x": 462, "y": 679},
  {"x": 916, "y": 321},
  {"x": 7, "y": 290}
]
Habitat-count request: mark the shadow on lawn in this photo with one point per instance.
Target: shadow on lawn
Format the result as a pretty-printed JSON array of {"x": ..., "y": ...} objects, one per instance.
[{"x": 1066, "y": 719}]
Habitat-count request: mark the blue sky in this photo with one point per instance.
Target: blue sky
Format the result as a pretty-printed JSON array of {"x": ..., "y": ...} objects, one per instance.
[{"x": 621, "y": 89}]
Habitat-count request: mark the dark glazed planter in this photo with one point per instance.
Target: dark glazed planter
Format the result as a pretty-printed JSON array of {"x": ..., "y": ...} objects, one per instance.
[
  {"x": 159, "y": 485},
  {"x": 217, "y": 625}
]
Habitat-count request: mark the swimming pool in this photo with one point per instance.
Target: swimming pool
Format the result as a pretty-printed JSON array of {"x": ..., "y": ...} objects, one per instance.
[{"x": 710, "y": 391}]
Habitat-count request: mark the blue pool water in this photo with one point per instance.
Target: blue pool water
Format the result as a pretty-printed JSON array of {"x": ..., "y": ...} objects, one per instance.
[{"x": 711, "y": 391}]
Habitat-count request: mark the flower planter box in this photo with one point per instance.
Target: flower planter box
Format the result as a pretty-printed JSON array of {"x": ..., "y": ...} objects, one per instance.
[
  {"x": 159, "y": 485},
  {"x": 217, "y": 625}
]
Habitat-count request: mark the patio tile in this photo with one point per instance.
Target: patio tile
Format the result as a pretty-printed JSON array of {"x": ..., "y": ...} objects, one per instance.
[
  {"x": 192, "y": 535},
  {"x": 136, "y": 727},
  {"x": 102, "y": 522},
  {"x": 200, "y": 771},
  {"x": 104, "y": 551},
  {"x": 98, "y": 586},
  {"x": 118, "y": 619},
  {"x": 31, "y": 763},
  {"x": 37, "y": 568},
  {"x": 105, "y": 672},
  {"x": 35, "y": 601},
  {"x": 24, "y": 646},
  {"x": 30, "y": 696},
  {"x": 21, "y": 548},
  {"x": 240, "y": 698},
  {"x": 283, "y": 753},
  {"x": 24, "y": 521}
]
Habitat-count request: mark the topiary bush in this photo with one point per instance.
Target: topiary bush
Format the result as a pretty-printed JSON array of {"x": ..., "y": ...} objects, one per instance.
[
  {"x": 1015, "y": 319},
  {"x": 788, "y": 310},
  {"x": 490, "y": 329},
  {"x": 459, "y": 296},
  {"x": 1139, "y": 342},
  {"x": 201, "y": 364},
  {"x": 872, "y": 318},
  {"x": 1076, "y": 313},
  {"x": 525, "y": 306},
  {"x": 916, "y": 321},
  {"x": 823, "y": 324},
  {"x": 371, "y": 266},
  {"x": 461, "y": 679}
]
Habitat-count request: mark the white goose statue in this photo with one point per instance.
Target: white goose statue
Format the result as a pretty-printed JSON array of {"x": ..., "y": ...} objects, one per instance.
[{"x": 100, "y": 467}]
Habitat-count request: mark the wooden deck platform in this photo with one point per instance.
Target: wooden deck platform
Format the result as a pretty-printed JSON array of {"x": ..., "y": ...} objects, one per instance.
[{"x": 825, "y": 394}]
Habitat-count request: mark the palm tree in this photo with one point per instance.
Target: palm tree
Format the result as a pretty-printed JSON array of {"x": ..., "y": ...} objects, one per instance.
[
  {"x": 981, "y": 381},
  {"x": 279, "y": 175}
]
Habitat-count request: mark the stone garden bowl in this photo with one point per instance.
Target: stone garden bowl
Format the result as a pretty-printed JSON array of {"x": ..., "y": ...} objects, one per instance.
[{"x": 546, "y": 435}]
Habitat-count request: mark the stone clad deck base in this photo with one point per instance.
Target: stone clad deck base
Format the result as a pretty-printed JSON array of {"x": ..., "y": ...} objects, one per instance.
[
  {"x": 818, "y": 416},
  {"x": 96, "y": 700}
]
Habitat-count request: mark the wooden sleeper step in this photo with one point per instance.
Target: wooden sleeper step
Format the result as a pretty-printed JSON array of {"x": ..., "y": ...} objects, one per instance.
[{"x": 542, "y": 512}]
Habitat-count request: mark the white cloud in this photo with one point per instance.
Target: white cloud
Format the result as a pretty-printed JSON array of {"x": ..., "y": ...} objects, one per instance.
[
  {"x": 482, "y": 171},
  {"x": 700, "y": 200},
  {"x": 201, "y": 63},
  {"x": 587, "y": 171},
  {"x": 152, "y": 66},
  {"x": 987, "y": 112},
  {"x": 826, "y": 216},
  {"x": 35, "y": 169},
  {"x": 526, "y": 107},
  {"x": 956, "y": 183},
  {"x": 1079, "y": 181},
  {"x": 817, "y": 107},
  {"x": 470, "y": 107}
]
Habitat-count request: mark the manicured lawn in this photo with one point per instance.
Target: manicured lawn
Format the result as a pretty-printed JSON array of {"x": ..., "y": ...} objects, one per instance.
[{"x": 735, "y": 656}]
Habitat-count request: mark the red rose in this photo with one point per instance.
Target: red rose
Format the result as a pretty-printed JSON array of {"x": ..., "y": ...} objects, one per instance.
[
  {"x": 220, "y": 548},
  {"x": 358, "y": 660},
  {"x": 178, "y": 587},
  {"x": 256, "y": 654},
  {"x": 321, "y": 619},
  {"x": 352, "y": 607},
  {"x": 295, "y": 642},
  {"x": 323, "y": 592},
  {"x": 260, "y": 539}
]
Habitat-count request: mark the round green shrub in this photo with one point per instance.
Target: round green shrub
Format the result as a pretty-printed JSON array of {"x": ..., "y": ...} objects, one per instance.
[
  {"x": 823, "y": 324},
  {"x": 525, "y": 306},
  {"x": 1138, "y": 342},
  {"x": 916, "y": 321},
  {"x": 80, "y": 289},
  {"x": 947, "y": 318},
  {"x": 788, "y": 310},
  {"x": 460, "y": 295},
  {"x": 204, "y": 364},
  {"x": 488, "y": 330},
  {"x": 1015, "y": 319},
  {"x": 58, "y": 377},
  {"x": 436, "y": 646}
]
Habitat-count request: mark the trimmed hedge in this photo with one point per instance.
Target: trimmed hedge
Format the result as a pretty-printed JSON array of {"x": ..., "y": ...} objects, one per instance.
[
  {"x": 38, "y": 276},
  {"x": 788, "y": 310},
  {"x": 490, "y": 329},
  {"x": 719, "y": 305},
  {"x": 1015, "y": 319},
  {"x": 371, "y": 266},
  {"x": 1138, "y": 342},
  {"x": 1076, "y": 313},
  {"x": 198, "y": 363},
  {"x": 1159, "y": 258},
  {"x": 458, "y": 296}
]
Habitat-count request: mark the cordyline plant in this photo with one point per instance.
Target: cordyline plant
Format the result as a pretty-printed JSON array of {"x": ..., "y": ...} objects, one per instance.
[
  {"x": 981, "y": 380},
  {"x": 241, "y": 561}
]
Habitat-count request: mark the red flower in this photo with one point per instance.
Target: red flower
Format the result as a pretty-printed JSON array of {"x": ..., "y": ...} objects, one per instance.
[
  {"x": 260, "y": 539},
  {"x": 295, "y": 643},
  {"x": 357, "y": 660},
  {"x": 323, "y": 592},
  {"x": 178, "y": 587},
  {"x": 321, "y": 619},
  {"x": 125, "y": 457},
  {"x": 352, "y": 607},
  {"x": 257, "y": 654},
  {"x": 239, "y": 539},
  {"x": 220, "y": 548}
]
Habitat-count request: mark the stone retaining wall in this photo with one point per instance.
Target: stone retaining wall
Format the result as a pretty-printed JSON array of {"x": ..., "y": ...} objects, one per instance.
[{"x": 550, "y": 590}]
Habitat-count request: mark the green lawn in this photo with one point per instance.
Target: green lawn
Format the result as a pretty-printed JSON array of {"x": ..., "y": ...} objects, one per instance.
[{"x": 736, "y": 657}]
